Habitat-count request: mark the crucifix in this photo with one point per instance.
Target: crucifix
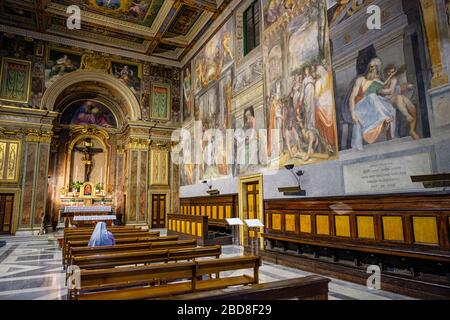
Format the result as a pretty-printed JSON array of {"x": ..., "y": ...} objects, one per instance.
[{"x": 88, "y": 153}]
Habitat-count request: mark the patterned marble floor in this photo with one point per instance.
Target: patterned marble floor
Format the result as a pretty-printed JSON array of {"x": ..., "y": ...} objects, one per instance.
[{"x": 30, "y": 269}]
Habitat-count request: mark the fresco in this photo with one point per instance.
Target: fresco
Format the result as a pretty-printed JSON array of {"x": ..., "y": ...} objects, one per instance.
[
  {"x": 142, "y": 12},
  {"x": 215, "y": 57},
  {"x": 17, "y": 47},
  {"x": 183, "y": 22},
  {"x": 188, "y": 93},
  {"x": 88, "y": 112},
  {"x": 447, "y": 11},
  {"x": 299, "y": 82},
  {"x": 129, "y": 74},
  {"x": 381, "y": 96},
  {"x": 60, "y": 62},
  {"x": 15, "y": 80},
  {"x": 213, "y": 110},
  {"x": 160, "y": 101}
]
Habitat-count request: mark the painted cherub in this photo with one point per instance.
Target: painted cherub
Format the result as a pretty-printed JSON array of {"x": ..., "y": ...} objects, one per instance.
[{"x": 392, "y": 90}]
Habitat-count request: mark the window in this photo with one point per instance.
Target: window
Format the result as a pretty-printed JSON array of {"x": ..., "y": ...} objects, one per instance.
[{"x": 251, "y": 27}]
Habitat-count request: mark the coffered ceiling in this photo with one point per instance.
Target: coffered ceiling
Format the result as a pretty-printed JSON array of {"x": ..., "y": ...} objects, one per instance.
[{"x": 160, "y": 28}]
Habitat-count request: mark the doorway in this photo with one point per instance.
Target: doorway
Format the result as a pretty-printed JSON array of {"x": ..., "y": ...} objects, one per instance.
[
  {"x": 158, "y": 211},
  {"x": 6, "y": 213},
  {"x": 250, "y": 205}
]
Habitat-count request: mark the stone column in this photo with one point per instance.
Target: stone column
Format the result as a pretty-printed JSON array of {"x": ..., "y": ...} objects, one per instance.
[
  {"x": 35, "y": 179},
  {"x": 137, "y": 180}
]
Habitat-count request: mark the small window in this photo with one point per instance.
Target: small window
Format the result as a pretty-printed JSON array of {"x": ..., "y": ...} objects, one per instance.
[{"x": 251, "y": 27}]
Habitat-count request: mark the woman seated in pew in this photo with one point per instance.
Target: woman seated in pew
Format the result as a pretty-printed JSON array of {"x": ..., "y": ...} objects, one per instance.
[{"x": 101, "y": 236}]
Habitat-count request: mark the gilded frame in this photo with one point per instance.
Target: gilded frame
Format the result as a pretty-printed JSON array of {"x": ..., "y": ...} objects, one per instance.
[
  {"x": 2, "y": 70},
  {"x": 169, "y": 100}
]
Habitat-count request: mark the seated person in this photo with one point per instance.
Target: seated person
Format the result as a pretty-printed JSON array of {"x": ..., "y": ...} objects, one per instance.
[{"x": 101, "y": 236}]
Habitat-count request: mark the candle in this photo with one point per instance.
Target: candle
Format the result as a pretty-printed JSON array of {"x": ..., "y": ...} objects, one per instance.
[
  {"x": 101, "y": 175},
  {"x": 76, "y": 174}
]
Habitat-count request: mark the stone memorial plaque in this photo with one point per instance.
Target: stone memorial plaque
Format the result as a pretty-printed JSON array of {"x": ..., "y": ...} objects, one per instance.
[{"x": 386, "y": 175}]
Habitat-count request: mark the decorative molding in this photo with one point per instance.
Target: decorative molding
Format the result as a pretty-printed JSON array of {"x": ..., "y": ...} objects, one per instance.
[
  {"x": 87, "y": 45},
  {"x": 138, "y": 143}
]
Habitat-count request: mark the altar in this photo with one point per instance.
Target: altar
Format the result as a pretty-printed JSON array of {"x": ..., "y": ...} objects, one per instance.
[
  {"x": 87, "y": 215},
  {"x": 86, "y": 207}
]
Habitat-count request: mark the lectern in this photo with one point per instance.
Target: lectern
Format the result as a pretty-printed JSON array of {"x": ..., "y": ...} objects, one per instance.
[{"x": 254, "y": 225}]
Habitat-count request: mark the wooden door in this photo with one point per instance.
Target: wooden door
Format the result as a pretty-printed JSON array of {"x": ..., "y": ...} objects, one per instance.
[
  {"x": 158, "y": 211},
  {"x": 6, "y": 211},
  {"x": 252, "y": 205}
]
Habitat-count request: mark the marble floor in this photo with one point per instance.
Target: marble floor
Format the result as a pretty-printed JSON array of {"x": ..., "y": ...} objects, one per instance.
[{"x": 30, "y": 269}]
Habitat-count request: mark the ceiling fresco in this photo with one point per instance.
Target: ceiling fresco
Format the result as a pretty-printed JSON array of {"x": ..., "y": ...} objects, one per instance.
[{"x": 161, "y": 28}]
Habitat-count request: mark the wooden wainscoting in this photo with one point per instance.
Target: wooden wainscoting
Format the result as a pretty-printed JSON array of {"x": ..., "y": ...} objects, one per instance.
[
  {"x": 216, "y": 209},
  {"x": 406, "y": 235}
]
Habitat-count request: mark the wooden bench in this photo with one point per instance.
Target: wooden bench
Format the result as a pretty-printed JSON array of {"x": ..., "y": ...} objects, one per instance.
[
  {"x": 92, "y": 282},
  {"x": 304, "y": 288},
  {"x": 119, "y": 240},
  {"x": 131, "y": 246},
  {"x": 68, "y": 242},
  {"x": 111, "y": 260}
]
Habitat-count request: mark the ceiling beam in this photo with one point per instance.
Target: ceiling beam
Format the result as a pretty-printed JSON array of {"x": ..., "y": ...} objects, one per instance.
[{"x": 202, "y": 4}]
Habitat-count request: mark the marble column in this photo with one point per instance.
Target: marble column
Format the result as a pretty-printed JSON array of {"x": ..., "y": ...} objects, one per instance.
[
  {"x": 137, "y": 181},
  {"x": 35, "y": 180}
]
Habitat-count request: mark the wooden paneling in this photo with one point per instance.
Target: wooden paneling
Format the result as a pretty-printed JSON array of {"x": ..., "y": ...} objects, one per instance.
[
  {"x": 276, "y": 222},
  {"x": 393, "y": 228},
  {"x": 216, "y": 208},
  {"x": 290, "y": 223},
  {"x": 305, "y": 223},
  {"x": 322, "y": 225},
  {"x": 366, "y": 227},
  {"x": 342, "y": 226},
  {"x": 376, "y": 223},
  {"x": 425, "y": 230}
]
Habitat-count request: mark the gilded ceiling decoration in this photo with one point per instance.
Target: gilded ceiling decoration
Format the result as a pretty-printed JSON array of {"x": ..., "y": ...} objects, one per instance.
[{"x": 162, "y": 28}]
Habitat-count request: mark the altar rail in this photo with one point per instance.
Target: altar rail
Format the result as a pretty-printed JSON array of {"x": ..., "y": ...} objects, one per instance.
[
  {"x": 398, "y": 232},
  {"x": 216, "y": 208}
]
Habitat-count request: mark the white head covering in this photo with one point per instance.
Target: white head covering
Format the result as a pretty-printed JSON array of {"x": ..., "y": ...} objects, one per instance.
[{"x": 99, "y": 236}]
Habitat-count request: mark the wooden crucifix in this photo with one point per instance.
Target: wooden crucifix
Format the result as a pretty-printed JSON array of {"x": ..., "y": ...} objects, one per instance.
[{"x": 88, "y": 153}]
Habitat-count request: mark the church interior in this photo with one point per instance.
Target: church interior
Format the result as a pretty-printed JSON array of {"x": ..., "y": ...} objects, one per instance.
[{"x": 229, "y": 149}]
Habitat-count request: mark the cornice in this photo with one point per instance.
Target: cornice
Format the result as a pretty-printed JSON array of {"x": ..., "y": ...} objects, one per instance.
[{"x": 87, "y": 46}]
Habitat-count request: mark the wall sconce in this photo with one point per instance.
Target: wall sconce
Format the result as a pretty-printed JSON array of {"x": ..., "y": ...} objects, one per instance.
[
  {"x": 293, "y": 191},
  {"x": 211, "y": 191}
]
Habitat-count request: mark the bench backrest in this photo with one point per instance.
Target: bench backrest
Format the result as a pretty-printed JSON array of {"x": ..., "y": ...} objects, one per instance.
[
  {"x": 131, "y": 246},
  {"x": 130, "y": 275},
  {"x": 94, "y": 280},
  {"x": 111, "y": 260}
]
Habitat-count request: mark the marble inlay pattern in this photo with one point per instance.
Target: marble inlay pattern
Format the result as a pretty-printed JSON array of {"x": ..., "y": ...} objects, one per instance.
[{"x": 30, "y": 269}]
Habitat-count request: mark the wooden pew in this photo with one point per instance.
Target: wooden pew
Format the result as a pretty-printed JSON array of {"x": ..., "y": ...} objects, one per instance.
[
  {"x": 68, "y": 242},
  {"x": 111, "y": 260},
  {"x": 92, "y": 282},
  {"x": 304, "y": 288},
  {"x": 119, "y": 240},
  {"x": 131, "y": 246},
  {"x": 78, "y": 229}
]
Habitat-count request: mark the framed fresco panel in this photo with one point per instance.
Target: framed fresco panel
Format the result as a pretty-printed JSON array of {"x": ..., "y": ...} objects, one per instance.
[
  {"x": 129, "y": 73},
  {"x": 15, "y": 80},
  {"x": 161, "y": 101},
  {"x": 10, "y": 153},
  {"x": 59, "y": 62},
  {"x": 88, "y": 112},
  {"x": 299, "y": 85}
]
